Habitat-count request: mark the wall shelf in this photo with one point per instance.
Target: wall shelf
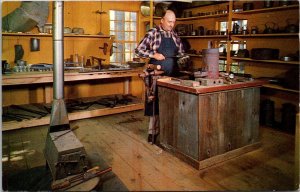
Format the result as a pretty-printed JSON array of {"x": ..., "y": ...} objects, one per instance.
[
  {"x": 195, "y": 55},
  {"x": 264, "y": 10},
  {"x": 267, "y": 35},
  {"x": 50, "y": 35},
  {"x": 93, "y": 111},
  {"x": 206, "y": 36},
  {"x": 277, "y": 87},
  {"x": 266, "y": 61},
  {"x": 197, "y": 17}
]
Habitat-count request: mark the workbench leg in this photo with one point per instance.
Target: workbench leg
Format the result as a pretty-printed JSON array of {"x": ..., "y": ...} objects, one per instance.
[
  {"x": 48, "y": 94},
  {"x": 127, "y": 86}
]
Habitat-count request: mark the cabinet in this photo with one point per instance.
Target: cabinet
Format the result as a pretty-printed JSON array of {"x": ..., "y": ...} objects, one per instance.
[
  {"x": 217, "y": 16},
  {"x": 196, "y": 124}
]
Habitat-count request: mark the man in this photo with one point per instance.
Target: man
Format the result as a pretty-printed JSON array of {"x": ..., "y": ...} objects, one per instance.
[{"x": 161, "y": 44}]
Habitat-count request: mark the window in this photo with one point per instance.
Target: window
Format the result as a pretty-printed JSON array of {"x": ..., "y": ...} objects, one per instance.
[{"x": 123, "y": 25}]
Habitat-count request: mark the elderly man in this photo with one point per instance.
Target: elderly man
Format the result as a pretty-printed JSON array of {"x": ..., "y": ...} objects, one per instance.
[{"x": 161, "y": 44}]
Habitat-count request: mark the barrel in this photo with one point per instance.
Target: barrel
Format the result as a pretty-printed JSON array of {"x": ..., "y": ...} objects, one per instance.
[
  {"x": 210, "y": 60},
  {"x": 288, "y": 117},
  {"x": 267, "y": 113}
]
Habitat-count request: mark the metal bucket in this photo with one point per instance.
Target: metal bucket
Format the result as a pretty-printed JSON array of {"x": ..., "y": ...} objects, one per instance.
[{"x": 211, "y": 62}]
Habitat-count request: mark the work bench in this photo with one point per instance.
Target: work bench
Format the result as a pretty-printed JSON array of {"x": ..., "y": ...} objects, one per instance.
[
  {"x": 46, "y": 80},
  {"x": 206, "y": 125}
]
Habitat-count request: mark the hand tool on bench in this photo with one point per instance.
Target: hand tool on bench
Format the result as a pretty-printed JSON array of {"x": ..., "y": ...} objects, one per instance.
[
  {"x": 40, "y": 113},
  {"x": 78, "y": 179}
]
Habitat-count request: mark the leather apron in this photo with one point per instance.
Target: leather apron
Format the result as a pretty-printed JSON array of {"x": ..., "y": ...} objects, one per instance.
[{"x": 169, "y": 50}]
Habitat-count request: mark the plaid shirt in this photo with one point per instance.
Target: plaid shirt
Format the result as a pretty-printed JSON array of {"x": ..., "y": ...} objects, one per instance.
[{"x": 152, "y": 40}]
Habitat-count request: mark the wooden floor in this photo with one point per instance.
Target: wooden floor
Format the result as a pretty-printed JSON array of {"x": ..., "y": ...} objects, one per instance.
[{"x": 121, "y": 141}]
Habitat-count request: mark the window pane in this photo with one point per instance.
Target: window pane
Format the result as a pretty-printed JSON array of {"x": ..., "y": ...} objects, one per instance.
[
  {"x": 133, "y": 16},
  {"x": 127, "y": 57},
  {"x": 112, "y": 15},
  {"x": 113, "y": 57},
  {"x": 119, "y": 36},
  {"x": 119, "y": 26},
  {"x": 127, "y": 35},
  {"x": 127, "y": 26},
  {"x": 119, "y": 15},
  {"x": 133, "y": 26},
  {"x": 132, "y": 36},
  {"x": 112, "y": 25},
  {"x": 119, "y": 57},
  {"x": 120, "y": 48},
  {"x": 127, "y": 16},
  {"x": 133, "y": 46}
]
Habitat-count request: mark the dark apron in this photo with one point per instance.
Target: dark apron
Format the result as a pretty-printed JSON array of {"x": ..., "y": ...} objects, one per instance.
[{"x": 169, "y": 50}]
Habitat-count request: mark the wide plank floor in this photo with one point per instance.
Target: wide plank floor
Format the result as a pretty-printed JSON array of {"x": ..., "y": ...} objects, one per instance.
[{"x": 120, "y": 141}]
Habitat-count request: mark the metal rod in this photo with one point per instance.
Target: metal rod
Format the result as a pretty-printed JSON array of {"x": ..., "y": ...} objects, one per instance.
[{"x": 58, "y": 50}]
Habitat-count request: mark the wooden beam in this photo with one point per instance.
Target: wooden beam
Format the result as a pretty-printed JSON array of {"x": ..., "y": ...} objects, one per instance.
[{"x": 229, "y": 155}]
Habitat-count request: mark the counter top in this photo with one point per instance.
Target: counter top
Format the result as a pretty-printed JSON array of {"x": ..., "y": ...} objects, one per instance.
[
  {"x": 47, "y": 77},
  {"x": 175, "y": 84}
]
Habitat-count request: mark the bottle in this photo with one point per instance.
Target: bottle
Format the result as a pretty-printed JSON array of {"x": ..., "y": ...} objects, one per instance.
[{"x": 88, "y": 63}]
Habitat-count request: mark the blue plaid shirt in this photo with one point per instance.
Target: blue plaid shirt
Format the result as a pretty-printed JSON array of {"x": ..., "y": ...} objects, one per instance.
[{"x": 151, "y": 42}]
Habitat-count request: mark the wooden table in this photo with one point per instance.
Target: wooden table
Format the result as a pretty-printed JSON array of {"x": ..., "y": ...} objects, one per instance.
[{"x": 206, "y": 125}]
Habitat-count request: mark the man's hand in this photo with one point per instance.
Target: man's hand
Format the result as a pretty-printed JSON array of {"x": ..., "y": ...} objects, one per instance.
[
  {"x": 159, "y": 56},
  {"x": 183, "y": 60}
]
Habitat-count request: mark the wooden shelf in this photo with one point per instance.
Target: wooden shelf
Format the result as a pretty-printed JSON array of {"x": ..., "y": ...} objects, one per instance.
[
  {"x": 267, "y": 35},
  {"x": 50, "y": 35},
  {"x": 264, "y": 10},
  {"x": 197, "y": 17},
  {"x": 83, "y": 114},
  {"x": 277, "y": 87},
  {"x": 266, "y": 61},
  {"x": 206, "y": 36},
  {"x": 47, "y": 77},
  {"x": 195, "y": 55}
]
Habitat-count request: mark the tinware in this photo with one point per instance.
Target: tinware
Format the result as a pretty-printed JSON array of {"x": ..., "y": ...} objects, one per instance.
[
  {"x": 284, "y": 3},
  {"x": 264, "y": 54},
  {"x": 145, "y": 8},
  {"x": 247, "y": 6},
  {"x": 34, "y": 44},
  {"x": 270, "y": 28},
  {"x": 291, "y": 28},
  {"x": 78, "y": 30},
  {"x": 268, "y": 3},
  {"x": 254, "y": 30}
]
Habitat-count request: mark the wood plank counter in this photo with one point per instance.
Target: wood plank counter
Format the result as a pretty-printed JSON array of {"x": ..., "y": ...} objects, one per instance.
[
  {"x": 206, "y": 125},
  {"x": 47, "y": 77}
]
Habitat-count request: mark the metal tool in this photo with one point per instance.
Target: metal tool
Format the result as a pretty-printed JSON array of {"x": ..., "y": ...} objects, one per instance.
[{"x": 81, "y": 178}]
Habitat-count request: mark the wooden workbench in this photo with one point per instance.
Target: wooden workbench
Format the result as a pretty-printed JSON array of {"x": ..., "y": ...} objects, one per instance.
[
  {"x": 206, "y": 125},
  {"x": 20, "y": 79}
]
